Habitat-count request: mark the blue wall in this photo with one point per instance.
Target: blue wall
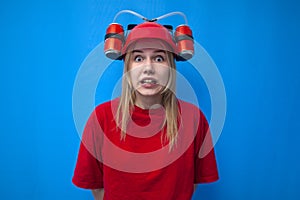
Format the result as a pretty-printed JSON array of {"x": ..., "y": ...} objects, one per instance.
[{"x": 255, "y": 45}]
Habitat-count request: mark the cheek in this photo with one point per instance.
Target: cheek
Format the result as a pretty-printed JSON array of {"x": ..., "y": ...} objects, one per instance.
[
  {"x": 135, "y": 71},
  {"x": 165, "y": 74},
  {"x": 133, "y": 76}
]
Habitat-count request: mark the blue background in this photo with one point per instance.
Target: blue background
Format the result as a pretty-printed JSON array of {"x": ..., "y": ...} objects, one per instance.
[{"x": 255, "y": 45}]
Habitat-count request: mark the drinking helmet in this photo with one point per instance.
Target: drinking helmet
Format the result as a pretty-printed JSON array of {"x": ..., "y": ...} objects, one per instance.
[{"x": 180, "y": 42}]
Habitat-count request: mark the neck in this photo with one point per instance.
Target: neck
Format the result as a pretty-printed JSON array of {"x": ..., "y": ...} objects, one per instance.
[{"x": 147, "y": 102}]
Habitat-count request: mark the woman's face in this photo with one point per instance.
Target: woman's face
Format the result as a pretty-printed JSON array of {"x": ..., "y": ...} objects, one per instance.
[{"x": 148, "y": 71}]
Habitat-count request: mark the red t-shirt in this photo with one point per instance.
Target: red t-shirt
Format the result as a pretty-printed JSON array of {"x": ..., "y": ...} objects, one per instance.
[{"x": 142, "y": 166}]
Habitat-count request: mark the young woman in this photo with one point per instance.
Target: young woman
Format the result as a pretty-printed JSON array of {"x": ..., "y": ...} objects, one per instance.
[{"x": 146, "y": 144}]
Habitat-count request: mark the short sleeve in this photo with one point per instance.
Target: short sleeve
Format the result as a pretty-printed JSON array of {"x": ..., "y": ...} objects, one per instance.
[
  {"x": 206, "y": 170},
  {"x": 88, "y": 173}
]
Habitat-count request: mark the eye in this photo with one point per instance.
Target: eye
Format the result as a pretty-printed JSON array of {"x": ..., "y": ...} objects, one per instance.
[
  {"x": 138, "y": 58},
  {"x": 159, "y": 59}
]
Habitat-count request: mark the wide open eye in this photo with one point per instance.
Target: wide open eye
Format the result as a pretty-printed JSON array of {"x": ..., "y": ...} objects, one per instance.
[
  {"x": 159, "y": 58},
  {"x": 138, "y": 58}
]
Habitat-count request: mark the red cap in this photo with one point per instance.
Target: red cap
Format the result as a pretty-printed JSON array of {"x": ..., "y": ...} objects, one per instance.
[{"x": 150, "y": 30}]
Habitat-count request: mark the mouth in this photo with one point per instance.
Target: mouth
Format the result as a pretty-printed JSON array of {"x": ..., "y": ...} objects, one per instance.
[{"x": 148, "y": 81}]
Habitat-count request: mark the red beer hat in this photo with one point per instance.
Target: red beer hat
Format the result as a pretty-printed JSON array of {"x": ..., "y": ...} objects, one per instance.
[{"x": 150, "y": 30}]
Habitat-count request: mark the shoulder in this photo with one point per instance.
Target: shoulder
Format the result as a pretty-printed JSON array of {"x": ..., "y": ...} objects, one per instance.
[
  {"x": 103, "y": 114},
  {"x": 105, "y": 111},
  {"x": 107, "y": 106},
  {"x": 187, "y": 106},
  {"x": 191, "y": 111}
]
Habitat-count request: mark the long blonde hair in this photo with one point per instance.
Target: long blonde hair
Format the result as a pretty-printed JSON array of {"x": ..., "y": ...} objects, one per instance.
[{"x": 169, "y": 102}]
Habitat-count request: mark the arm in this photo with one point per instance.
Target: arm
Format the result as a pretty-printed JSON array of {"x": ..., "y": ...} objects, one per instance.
[{"x": 98, "y": 194}]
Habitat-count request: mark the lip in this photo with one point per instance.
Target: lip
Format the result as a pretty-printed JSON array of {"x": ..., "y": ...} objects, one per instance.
[
  {"x": 148, "y": 80},
  {"x": 148, "y": 83}
]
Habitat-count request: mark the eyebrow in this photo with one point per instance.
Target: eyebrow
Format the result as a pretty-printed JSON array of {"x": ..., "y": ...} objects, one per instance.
[{"x": 156, "y": 51}]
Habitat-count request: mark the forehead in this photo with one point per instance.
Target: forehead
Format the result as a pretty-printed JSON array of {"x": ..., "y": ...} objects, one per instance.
[{"x": 148, "y": 45}]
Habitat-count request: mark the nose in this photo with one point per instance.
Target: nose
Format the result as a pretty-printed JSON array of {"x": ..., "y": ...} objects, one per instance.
[{"x": 148, "y": 69}]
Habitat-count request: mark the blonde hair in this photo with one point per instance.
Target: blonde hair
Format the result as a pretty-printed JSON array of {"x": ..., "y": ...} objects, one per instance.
[{"x": 169, "y": 102}]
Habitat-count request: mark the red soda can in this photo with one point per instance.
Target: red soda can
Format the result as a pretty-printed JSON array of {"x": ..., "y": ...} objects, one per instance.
[
  {"x": 185, "y": 42},
  {"x": 114, "y": 40}
]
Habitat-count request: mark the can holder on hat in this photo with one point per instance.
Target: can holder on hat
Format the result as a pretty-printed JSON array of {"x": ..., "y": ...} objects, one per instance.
[
  {"x": 115, "y": 37},
  {"x": 114, "y": 40}
]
